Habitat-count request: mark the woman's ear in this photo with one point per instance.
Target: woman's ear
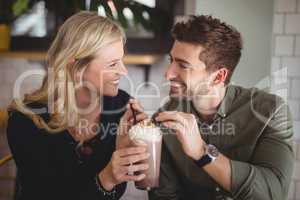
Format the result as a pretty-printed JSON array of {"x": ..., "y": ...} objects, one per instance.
[
  {"x": 220, "y": 75},
  {"x": 79, "y": 77}
]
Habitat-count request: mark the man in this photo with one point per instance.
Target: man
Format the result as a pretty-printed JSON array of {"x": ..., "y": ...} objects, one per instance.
[{"x": 228, "y": 142}]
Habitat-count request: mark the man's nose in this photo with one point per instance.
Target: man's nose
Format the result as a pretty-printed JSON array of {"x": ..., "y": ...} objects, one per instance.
[{"x": 170, "y": 72}]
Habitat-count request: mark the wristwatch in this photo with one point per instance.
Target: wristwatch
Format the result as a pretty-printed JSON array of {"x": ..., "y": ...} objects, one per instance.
[{"x": 211, "y": 153}]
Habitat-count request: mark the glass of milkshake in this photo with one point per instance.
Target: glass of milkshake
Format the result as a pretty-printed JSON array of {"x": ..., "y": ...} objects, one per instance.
[{"x": 147, "y": 134}]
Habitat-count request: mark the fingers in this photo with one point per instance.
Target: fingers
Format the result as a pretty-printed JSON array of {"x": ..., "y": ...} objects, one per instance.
[
  {"x": 127, "y": 121},
  {"x": 123, "y": 167},
  {"x": 138, "y": 109},
  {"x": 136, "y": 105},
  {"x": 177, "y": 127},
  {"x": 185, "y": 119},
  {"x": 128, "y": 113},
  {"x": 130, "y": 151},
  {"x": 171, "y": 116},
  {"x": 137, "y": 143},
  {"x": 140, "y": 117},
  {"x": 131, "y": 169},
  {"x": 134, "y": 178},
  {"x": 134, "y": 158}
]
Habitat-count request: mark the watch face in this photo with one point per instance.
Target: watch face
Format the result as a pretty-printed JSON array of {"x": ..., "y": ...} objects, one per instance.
[{"x": 212, "y": 150}]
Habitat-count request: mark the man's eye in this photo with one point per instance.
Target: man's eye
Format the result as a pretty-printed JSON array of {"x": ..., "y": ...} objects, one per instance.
[
  {"x": 182, "y": 66},
  {"x": 170, "y": 59}
]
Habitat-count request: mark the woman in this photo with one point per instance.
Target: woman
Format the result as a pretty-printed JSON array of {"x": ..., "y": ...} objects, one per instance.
[{"x": 69, "y": 139}]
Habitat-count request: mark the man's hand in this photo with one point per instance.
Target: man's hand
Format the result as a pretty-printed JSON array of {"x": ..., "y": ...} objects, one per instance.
[{"x": 186, "y": 129}]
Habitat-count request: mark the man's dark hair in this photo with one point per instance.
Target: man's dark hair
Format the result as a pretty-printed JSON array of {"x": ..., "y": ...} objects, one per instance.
[{"x": 222, "y": 43}]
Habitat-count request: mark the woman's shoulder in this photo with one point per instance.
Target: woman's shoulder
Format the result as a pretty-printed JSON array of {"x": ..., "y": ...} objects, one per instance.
[
  {"x": 16, "y": 116},
  {"x": 21, "y": 125}
]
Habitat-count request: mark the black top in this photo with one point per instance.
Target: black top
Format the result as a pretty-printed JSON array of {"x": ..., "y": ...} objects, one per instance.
[{"x": 51, "y": 167}]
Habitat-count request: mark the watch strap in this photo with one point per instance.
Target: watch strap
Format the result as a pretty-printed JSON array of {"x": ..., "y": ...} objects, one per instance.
[{"x": 204, "y": 160}]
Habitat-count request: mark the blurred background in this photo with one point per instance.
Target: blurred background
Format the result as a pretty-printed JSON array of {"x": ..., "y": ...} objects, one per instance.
[{"x": 270, "y": 59}]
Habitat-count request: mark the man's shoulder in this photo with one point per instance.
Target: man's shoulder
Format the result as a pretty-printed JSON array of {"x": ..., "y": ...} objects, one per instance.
[
  {"x": 255, "y": 93},
  {"x": 257, "y": 99}
]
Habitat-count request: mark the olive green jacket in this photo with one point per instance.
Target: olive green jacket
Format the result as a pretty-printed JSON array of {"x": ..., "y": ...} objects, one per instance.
[{"x": 254, "y": 130}]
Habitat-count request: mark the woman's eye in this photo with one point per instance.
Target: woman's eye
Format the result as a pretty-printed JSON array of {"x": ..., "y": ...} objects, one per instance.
[{"x": 113, "y": 65}]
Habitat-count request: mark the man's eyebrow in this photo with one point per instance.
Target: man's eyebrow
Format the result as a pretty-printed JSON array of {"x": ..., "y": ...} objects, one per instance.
[{"x": 180, "y": 60}]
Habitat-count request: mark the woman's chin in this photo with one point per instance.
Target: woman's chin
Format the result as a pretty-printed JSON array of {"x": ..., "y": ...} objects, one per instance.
[{"x": 111, "y": 92}]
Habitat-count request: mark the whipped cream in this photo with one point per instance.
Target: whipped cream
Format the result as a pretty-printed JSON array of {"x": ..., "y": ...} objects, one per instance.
[{"x": 146, "y": 131}]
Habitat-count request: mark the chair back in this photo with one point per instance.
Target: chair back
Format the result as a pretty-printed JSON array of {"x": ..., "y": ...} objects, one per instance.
[{"x": 5, "y": 159}]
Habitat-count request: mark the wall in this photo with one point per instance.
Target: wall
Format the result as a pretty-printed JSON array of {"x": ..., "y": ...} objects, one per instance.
[
  {"x": 254, "y": 20},
  {"x": 285, "y": 71}
]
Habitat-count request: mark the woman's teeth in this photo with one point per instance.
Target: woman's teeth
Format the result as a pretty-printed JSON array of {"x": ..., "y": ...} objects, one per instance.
[{"x": 116, "y": 81}]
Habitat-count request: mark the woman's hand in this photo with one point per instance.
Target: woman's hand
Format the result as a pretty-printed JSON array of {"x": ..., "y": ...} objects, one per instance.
[
  {"x": 127, "y": 121},
  {"x": 125, "y": 160},
  {"x": 123, "y": 164}
]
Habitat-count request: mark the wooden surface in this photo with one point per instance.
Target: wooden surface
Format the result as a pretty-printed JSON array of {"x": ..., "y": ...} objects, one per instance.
[
  {"x": 130, "y": 59},
  {"x": 5, "y": 159}
]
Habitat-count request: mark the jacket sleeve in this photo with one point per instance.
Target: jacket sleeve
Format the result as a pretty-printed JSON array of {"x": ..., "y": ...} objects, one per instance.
[
  {"x": 268, "y": 174},
  {"x": 169, "y": 185}
]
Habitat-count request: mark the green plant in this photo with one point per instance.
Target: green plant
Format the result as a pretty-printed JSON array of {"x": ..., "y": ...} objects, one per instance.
[
  {"x": 10, "y": 9},
  {"x": 152, "y": 19}
]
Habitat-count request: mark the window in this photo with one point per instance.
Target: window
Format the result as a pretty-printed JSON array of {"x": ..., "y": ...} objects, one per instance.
[{"x": 36, "y": 29}]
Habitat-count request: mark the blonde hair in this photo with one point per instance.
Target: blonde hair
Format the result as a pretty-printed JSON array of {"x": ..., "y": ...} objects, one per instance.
[{"x": 77, "y": 41}]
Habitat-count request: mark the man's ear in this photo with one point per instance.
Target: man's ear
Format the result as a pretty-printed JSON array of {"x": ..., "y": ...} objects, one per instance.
[{"x": 220, "y": 75}]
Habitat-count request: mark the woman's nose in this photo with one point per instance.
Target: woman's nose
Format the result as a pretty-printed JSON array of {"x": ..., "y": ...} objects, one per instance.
[{"x": 122, "y": 69}]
